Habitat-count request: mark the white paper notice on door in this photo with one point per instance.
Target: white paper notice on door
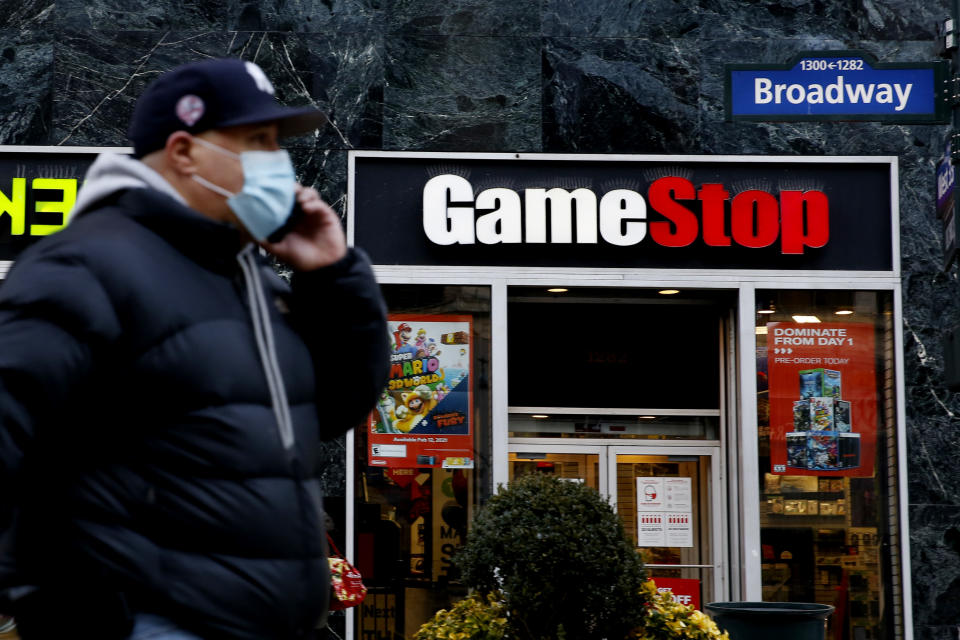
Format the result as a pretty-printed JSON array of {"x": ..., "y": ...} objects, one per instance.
[
  {"x": 650, "y": 531},
  {"x": 664, "y": 512},
  {"x": 649, "y": 494},
  {"x": 678, "y": 530},
  {"x": 678, "y": 495}
]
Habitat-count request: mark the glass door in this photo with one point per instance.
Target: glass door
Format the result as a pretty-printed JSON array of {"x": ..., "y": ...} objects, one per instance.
[
  {"x": 670, "y": 503},
  {"x": 667, "y": 498},
  {"x": 575, "y": 463}
]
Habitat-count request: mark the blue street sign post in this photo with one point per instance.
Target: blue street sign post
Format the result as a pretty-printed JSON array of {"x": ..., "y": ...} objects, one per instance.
[{"x": 838, "y": 85}]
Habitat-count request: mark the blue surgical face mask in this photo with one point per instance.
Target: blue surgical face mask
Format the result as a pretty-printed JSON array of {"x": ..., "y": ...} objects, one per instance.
[{"x": 266, "y": 201}]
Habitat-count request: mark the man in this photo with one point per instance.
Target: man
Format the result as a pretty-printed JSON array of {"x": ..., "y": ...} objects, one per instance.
[{"x": 160, "y": 387}]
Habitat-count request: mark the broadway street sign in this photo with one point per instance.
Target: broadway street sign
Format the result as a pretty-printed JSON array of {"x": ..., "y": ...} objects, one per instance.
[{"x": 838, "y": 85}]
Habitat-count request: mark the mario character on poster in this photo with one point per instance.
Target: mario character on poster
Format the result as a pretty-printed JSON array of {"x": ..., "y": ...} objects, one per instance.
[
  {"x": 823, "y": 398},
  {"x": 423, "y": 416}
]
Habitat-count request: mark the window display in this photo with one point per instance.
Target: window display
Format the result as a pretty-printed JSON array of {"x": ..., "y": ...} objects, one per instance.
[
  {"x": 610, "y": 348},
  {"x": 823, "y": 418},
  {"x": 828, "y": 479},
  {"x": 423, "y": 416},
  {"x": 423, "y": 460}
]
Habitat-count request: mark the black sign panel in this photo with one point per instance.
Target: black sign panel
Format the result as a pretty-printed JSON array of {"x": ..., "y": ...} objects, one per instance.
[
  {"x": 37, "y": 192},
  {"x": 623, "y": 213}
]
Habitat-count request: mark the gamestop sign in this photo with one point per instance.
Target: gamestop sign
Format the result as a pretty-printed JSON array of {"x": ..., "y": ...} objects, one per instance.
[
  {"x": 797, "y": 219},
  {"x": 594, "y": 211}
]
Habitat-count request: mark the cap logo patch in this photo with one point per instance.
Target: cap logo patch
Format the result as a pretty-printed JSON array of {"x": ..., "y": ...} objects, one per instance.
[
  {"x": 190, "y": 108},
  {"x": 259, "y": 77}
]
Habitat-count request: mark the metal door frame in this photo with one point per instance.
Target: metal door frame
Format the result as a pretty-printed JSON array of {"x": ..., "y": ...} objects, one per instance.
[
  {"x": 607, "y": 455},
  {"x": 597, "y": 450},
  {"x": 717, "y": 497}
]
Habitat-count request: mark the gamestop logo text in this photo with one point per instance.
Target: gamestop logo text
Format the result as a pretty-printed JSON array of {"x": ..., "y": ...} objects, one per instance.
[{"x": 753, "y": 218}]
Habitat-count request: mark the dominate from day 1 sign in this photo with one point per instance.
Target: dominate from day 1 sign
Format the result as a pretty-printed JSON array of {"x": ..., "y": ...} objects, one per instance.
[
  {"x": 841, "y": 85},
  {"x": 823, "y": 398}
]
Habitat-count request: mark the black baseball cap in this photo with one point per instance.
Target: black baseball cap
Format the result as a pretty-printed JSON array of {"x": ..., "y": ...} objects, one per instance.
[{"x": 211, "y": 94}]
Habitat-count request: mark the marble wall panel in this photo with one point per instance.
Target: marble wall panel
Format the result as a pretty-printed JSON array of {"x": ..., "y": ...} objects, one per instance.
[
  {"x": 649, "y": 19},
  {"x": 935, "y": 560},
  {"x": 463, "y": 17},
  {"x": 462, "y": 93},
  {"x": 326, "y": 171},
  {"x": 933, "y": 442},
  {"x": 26, "y": 84},
  {"x": 317, "y": 16},
  {"x": 341, "y": 75},
  {"x": 894, "y": 20},
  {"x": 778, "y": 19},
  {"x": 26, "y": 14},
  {"x": 99, "y": 76},
  {"x": 614, "y": 95}
]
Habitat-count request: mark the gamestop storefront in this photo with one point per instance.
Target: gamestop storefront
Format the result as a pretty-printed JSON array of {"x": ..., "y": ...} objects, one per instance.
[{"x": 710, "y": 341}]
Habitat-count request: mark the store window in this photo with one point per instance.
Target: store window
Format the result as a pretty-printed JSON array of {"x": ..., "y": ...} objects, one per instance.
[
  {"x": 590, "y": 362},
  {"x": 828, "y": 459},
  {"x": 423, "y": 461}
]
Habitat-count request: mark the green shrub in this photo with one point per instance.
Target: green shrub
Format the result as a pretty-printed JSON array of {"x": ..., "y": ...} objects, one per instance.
[
  {"x": 668, "y": 620},
  {"x": 473, "y": 618},
  {"x": 557, "y": 552}
]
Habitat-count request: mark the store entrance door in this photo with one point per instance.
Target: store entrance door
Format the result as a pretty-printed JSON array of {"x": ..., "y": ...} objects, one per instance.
[{"x": 668, "y": 499}]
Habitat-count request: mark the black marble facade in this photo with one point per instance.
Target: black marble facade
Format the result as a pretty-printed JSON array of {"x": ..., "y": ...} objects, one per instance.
[{"x": 588, "y": 76}]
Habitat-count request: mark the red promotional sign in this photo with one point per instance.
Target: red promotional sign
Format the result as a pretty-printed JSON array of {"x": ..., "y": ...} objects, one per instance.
[
  {"x": 423, "y": 416},
  {"x": 823, "y": 398},
  {"x": 686, "y": 591}
]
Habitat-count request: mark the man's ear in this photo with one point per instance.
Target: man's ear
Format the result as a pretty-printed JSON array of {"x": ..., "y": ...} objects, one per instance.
[{"x": 179, "y": 152}]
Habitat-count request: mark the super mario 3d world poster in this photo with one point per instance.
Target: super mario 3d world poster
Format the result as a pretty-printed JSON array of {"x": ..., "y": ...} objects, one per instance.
[{"x": 422, "y": 418}]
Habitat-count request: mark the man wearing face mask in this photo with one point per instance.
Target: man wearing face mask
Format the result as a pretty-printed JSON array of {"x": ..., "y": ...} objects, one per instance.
[{"x": 160, "y": 386}]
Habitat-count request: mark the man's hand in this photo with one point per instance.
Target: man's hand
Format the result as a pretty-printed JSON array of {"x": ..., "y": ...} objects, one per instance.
[{"x": 318, "y": 241}]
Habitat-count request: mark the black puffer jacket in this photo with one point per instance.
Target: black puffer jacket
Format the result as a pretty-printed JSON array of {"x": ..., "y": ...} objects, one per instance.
[{"x": 145, "y": 446}]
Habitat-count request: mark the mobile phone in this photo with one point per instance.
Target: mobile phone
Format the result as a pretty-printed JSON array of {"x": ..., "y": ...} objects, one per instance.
[{"x": 296, "y": 215}]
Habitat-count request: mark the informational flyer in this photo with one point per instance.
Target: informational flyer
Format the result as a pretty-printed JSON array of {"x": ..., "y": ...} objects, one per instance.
[
  {"x": 678, "y": 530},
  {"x": 664, "y": 512},
  {"x": 823, "y": 398},
  {"x": 650, "y": 531},
  {"x": 422, "y": 418}
]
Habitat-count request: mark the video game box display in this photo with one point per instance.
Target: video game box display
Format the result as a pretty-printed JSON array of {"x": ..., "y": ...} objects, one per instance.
[{"x": 823, "y": 437}]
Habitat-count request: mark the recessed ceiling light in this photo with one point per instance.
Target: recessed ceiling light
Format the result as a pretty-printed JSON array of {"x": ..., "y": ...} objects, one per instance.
[
  {"x": 557, "y": 290},
  {"x": 843, "y": 312},
  {"x": 808, "y": 319},
  {"x": 766, "y": 311},
  {"x": 646, "y": 417},
  {"x": 668, "y": 292},
  {"x": 539, "y": 416}
]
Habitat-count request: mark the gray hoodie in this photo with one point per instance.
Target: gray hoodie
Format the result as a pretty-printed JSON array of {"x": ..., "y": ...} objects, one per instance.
[{"x": 112, "y": 172}]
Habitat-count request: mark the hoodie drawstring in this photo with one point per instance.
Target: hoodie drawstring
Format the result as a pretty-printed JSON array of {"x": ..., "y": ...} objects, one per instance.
[{"x": 262, "y": 329}]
